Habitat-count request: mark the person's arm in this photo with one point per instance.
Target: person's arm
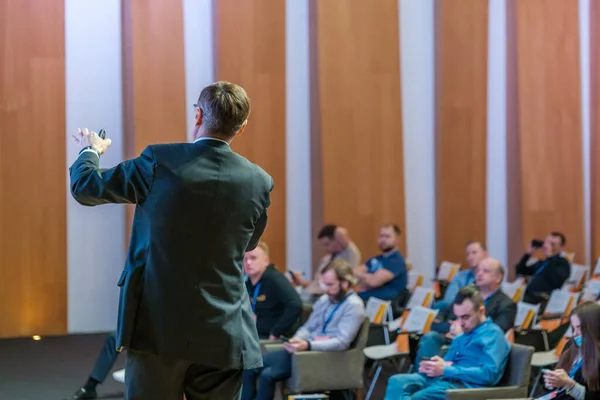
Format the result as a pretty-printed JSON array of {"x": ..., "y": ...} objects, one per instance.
[
  {"x": 378, "y": 279},
  {"x": 451, "y": 292},
  {"x": 127, "y": 183},
  {"x": 490, "y": 361},
  {"x": 505, "y": 316},
  {"x": 261, "y": 224},
  {"x": 292, "y": 305},
  {"x": 522, "y": 267},
  {"x": 350, "y": 322}
]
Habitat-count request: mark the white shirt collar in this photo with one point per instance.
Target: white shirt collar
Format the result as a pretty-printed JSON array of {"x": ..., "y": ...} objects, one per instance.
[{"x": 210, "y": 138}]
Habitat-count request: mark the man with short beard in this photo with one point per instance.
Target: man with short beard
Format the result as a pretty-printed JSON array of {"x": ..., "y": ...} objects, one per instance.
[
  {"x": 334, "y": 323},
  {"x": 383, "y": 276}
]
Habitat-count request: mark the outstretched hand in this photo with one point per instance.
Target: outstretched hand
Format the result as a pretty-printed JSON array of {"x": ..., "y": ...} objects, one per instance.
[{"x": 84, "y": 138}]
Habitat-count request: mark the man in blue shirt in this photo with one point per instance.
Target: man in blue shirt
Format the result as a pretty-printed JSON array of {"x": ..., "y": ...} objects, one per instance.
[
  {"x": 476, "y": 252},
  {"x": 383, "y": 276},
  {"x": 475, "y": 359}
]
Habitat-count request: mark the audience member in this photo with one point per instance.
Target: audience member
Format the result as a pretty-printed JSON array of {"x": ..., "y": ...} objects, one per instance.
[
  {"x": 577, "y": 373},
  {"x": 476, "y": 358},
  {"x": 498, "y": 307},
  {"x": 383, "y": 276},
  {"x": 476, "y": 252},
  {"x": 334, "y": 323},
  {"x": 337, "y": 244},
  {"x": 276, "y": 305},
  {"x": 548, "y": 274}
]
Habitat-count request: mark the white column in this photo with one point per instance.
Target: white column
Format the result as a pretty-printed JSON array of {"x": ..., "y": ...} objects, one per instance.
[
  {"x": 198, "y": 38},
  {"x": 417, "y": 64},
  {"x": 584, "y": 50},
  {"x": 298, "y": 193},
  {"x": 496, "y": 192},
  {"x": 96, "y": 242}
]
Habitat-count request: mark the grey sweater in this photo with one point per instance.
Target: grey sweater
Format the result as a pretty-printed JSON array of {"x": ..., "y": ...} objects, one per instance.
[{"x": 342, "y": 327}]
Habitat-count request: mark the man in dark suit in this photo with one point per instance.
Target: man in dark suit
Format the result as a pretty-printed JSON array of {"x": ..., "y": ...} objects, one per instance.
[
  {"x": 498, "y": 306},
  {"x": 184, "y": 313},
  {"x": 546, "y": 275}
]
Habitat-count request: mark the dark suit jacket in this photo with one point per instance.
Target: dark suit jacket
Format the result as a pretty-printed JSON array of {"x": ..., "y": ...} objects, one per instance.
[
  {"x": 552, "y": 277},
  {"x": 199, "y": 208},
  {"x": 500, "y": 308}
]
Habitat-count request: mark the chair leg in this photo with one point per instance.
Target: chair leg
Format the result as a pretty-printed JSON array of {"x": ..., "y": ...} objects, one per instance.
[
  {"x": 373, "y": 382},
  {"x": 535, "y": 384}
]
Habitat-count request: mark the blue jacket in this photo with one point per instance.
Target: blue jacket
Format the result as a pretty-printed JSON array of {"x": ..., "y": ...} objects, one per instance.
[
  {"x": 462, "y": 279},
  {"x": 478, "y": 357}
]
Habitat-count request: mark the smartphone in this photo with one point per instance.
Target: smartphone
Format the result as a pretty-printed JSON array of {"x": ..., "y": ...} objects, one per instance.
[
  {"x": 544, "y": 370},
  {"x": 102, "y": 134},
  {"x": 285, "y": 339},
  {"x": 425, "y": 359},
  {"x": 537, "y": 243}
]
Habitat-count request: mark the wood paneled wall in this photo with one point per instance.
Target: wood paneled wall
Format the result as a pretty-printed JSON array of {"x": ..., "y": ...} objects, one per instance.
[
  {"x": 357, "y": 118},
  {"x": 461, "y": 131},
  {"x": 33, "y": 248},
  {"x": 153, "y": 77},
  {"x": 595, "y": 129},
  {"x": 249, "y": 50},
  {"x": 549, "y": 184}
]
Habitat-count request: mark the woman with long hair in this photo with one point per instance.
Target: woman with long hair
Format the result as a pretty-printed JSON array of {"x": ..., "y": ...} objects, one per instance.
[{"x": 577, "y": 373}]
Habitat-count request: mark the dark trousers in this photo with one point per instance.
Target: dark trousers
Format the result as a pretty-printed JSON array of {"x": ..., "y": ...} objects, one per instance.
[
  {"x": 277, "y": 366},
  {"x": 106, "y": 359},
  {"x": 152, "y": 377}
]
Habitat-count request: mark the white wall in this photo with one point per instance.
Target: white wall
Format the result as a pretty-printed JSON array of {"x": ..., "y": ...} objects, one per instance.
[
  {"x": 298, "y": 192},
  {"x": 496, "y": 181},
  {"x": 199, "y": 70},
  {"x": 584, "y": 48},
  {"x": 417, "y": 80},
  {"x": 96, "y": 242}
]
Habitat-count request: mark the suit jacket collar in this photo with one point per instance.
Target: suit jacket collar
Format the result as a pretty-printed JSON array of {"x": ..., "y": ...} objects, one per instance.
[{"x": 213, "y": 142}]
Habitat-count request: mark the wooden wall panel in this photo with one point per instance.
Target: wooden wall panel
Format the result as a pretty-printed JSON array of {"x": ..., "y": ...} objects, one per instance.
[
  {"x": 595, "y": 129},
  {"x": 33, "y": 252},
  {"x": 461, "y": 131},
  {"x": 153, "y": 76},
  {"x": 357, "y": 118},
  {"x": 549, "y": 130},
  {"x": 249, "y": 50}
]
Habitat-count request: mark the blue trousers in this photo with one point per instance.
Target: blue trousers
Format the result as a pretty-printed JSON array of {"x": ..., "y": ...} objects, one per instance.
[
  {"x": 430, "y": 345},
  {"x": 417, "y": 387},
  {"x": 277, "y": 366}
]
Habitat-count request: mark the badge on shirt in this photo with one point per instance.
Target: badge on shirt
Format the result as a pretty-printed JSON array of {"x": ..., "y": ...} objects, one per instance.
[
  {"x": 374, "y": 265},
  {"x": 262, "y": 297}
]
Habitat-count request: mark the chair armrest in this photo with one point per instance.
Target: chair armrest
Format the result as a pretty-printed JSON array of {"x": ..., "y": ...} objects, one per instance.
[
  {"x": 502, "y": 392},
  {"x": 271, "y": 347},
  {"x": 314, "y": 371}
]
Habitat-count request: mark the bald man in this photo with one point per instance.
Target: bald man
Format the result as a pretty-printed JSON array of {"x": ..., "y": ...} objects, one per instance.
[{"x": 498, "y": 306}]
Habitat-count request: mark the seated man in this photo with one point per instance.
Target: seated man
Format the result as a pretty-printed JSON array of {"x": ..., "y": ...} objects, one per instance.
[
  {"x": 498, "y": 307},
  {"x": 476, "y": 252},
  {"x": 337, "y": 244},
  {"x": 275, "y": 303},
  {"x": 332, "y": 326},
  {"x": 476, "y": 358},
  {"x": 104, "y": 363},
  {"x": 548, "y": 274},
  {"x": 385, "y": 275}
]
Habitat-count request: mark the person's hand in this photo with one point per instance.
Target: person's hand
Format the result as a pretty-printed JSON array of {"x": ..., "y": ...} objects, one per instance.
[
  {"x": 295, "y": 345},
  {"x": 432, "y": 368},
  {"x": 360, "y": 271},
  {"x": 84, "y": 138},
  {"x": 557, "y": 378},
  {"x": 455, "y": 330}
]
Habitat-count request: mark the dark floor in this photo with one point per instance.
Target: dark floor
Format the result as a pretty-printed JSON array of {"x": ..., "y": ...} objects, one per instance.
[{"x": 54, "y": 367}]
